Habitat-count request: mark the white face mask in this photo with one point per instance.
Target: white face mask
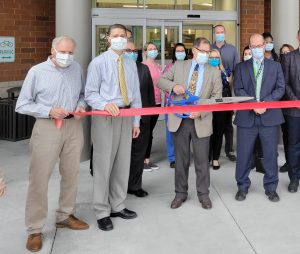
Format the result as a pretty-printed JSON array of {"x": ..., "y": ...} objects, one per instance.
[
  {"x": 118, "y": 43},
  {"x": 247, "y": 57},
  {"x": 63, "y": 59}
]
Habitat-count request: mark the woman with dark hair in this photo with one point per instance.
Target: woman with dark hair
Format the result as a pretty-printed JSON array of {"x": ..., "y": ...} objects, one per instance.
[
  {"x": 285, "y": 48},
  {"x": 179, "y": 54},
  {"x": 247, "y": 54},
  {"x": 270, "y": 51}
]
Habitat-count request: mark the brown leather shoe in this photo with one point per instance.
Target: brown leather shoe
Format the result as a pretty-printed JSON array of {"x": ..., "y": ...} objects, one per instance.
[
  {"x": 72, "y": 223},
  {"x": 177, "y": 202},
  {"x": 206, "y": 203},
  {"x": 34, "y": 242}
]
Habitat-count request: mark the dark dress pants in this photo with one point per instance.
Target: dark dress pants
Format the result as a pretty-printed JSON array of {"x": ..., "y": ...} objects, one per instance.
[
  {"x": 246, "y": 138},
  {"x": 293, "y": 124},
  {"x": 182, "y": 139},
  {"x": 138, "y": 151},
  {"x": 229, "y": 135}
]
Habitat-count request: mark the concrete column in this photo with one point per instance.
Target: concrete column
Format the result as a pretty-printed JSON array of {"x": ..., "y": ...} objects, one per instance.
[
  {"x": 285, "y": 22},
  {"x": 73, "y": 18}
]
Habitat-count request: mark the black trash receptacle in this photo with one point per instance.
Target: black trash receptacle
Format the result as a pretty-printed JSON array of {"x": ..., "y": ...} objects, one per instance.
[{"x": 14, "y": 126}]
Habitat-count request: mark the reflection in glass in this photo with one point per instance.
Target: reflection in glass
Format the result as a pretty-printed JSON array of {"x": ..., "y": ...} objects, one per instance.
[
  {"x": 171, "y": 38},
  {"x": 168, "y": 4},
  {"x": 118, "y": 4},
  {"x": 214, "y": 5}
]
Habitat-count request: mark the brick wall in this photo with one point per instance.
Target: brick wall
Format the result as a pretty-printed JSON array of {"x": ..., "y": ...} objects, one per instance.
[
  {"x": 267, "y": 17},
  {"x": 32, "y": 22},
  {"x": 252, "y": 20}
]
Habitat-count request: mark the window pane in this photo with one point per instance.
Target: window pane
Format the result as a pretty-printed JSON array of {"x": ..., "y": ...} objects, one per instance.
[
  {"x": 171, "y": 38},
  {"x": 118, "y": 3},
  {"x": 214, "y": 5},
  {"x": 168, "y": 4},
  {"x": 153, "y": 35}
]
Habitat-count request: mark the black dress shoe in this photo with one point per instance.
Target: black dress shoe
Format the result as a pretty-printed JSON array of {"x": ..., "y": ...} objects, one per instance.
[
  {"x": 105, "y": 224},
  {"x": 125, "y": 214},
  {"x": 293, "y": 186},
  {"x": 272, "y": 196},
  {"x": 215, "y": 167},
  {"x": 284, "y": 168},
  {"x": 172, "y": 164},
  {"x": 231, "y": 156},
  {"x": 139, "y": 193},
  {"x": 241, "y": 195}
]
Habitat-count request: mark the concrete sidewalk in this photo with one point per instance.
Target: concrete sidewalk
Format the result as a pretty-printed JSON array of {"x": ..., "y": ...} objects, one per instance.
[{"x": 253, "y": 226}]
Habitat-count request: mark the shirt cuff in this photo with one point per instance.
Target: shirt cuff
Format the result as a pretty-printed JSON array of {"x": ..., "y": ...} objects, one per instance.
[{"x": 136, "y": 121}]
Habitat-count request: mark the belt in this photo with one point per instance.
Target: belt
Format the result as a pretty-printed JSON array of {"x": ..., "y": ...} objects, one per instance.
[{"x": 125, "y": 107}]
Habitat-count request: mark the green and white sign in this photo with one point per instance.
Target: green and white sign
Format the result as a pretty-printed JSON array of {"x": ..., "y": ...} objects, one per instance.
[{"x": 7, "y": 49}]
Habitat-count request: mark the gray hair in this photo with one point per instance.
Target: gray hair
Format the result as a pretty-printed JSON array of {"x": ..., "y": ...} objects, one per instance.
[
  {"x": 199, "y": 41},
  {"x": 59, "y": 39}
]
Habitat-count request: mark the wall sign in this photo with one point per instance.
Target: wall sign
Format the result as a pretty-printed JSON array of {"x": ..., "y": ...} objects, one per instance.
[{"x": 7, "y": 49}]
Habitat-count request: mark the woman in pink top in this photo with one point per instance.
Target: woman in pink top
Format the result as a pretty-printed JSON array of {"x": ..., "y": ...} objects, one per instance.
[{"x": 151, "y": 53}]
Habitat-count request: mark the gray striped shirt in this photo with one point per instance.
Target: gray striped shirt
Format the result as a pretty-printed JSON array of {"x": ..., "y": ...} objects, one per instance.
[
  {"x": 102, "y": 86},
  {"x": 47, "y": 86}
]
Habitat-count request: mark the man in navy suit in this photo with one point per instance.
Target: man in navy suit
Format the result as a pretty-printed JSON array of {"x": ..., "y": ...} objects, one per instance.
[{"x": 263, "y": 79}]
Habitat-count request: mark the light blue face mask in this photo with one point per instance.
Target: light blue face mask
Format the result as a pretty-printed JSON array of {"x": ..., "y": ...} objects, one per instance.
[
  {"x": 202, "y": 58},
  {"x": 258, "y": 53},
  {"x": 131, "y": 55},
  {"x": 269, "y": 46},
  {"x": 180, "y": 55},
  {"x": 152, "y": 54},
  {"x": 220, "y": 37}
]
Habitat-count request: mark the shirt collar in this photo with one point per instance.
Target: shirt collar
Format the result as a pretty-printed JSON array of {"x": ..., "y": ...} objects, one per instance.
[{"x": 113, "y": 54}]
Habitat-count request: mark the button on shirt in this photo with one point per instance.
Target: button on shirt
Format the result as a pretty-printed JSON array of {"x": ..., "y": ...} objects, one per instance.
[
  {"x": 47, "y": 86},
  {"x": 102, "y": 86},
  {"x": 200, "y": 76}
]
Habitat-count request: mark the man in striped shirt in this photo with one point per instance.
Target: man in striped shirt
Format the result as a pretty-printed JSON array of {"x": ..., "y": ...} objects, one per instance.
[{"x": 50, "y": 91}]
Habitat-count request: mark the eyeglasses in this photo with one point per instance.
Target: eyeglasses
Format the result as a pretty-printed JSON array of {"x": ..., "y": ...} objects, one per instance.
[
  {"x": 202, "y": 51},
  {"x": 256, "y": 46},
  {"x": 130, "y": 51},
  {"x": 214, "y": 57}
]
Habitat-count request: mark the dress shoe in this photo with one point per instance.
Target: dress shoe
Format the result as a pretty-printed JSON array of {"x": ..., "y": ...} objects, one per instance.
[
  {"x": 139, "y": 193},
  {"x": 147, "y": 168},
  {"x": 293, "y": 186},
  {"x": 105, "y": 224},
  {"x": 124, "y": 214},
  {"x": 206, "y": 203},
  {"x": 231, "y": 156},
  {"x": 34, "y": 242},
  {"x": 153, "y": 166},
  {"x": 215, "y": 164},
  {"x": 172, "y": 164},
  {"x": 177, "y": 202},
  {"x": 272, "y": 196},
  {"x": 72, "y": 223},
  {"x": 241, "y": 195},
  {"x": 284, "y": 168}
]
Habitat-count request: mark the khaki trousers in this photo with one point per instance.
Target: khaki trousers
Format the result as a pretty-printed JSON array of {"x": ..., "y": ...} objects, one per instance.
[
  {"x": 47, "y": 145},
  {"x": 111, "y": 138}
]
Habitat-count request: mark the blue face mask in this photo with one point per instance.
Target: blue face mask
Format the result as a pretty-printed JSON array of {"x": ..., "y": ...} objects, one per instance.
[
  {"x": 220, "y": 37},
  {"x": 258, "y": 53},
  {"x": 202, "y": 58},
  {"x": 269, "y": 46},
  {"x": 180, "y": 55},
  {"x": 131, "y": 55},
  {"x": 214, "y": 62},
  {"x": 152, "y": 54}
]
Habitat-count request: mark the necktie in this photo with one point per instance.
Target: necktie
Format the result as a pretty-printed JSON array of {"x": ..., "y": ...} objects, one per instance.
[
  {"x": 122, "y": 82},
  {"x": 258, "y": 77},
  {"x": 194, "y": 80}
]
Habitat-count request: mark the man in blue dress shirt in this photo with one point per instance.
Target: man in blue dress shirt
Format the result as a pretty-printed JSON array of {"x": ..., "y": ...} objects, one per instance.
[{"x": 112, "y": 84}]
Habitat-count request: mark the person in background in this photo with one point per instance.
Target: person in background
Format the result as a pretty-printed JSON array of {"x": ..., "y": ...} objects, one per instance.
[
  {"x": 179, "y": 54},
  {"x": 2, "y": 186},
  {"x": 270, "y": 51},
  {"x": 229, "y": 57},
  {"x": 204, "y": 81},
  {"x": 285, "y": 49},
  {"x": 291, "y": 65},
  {"x": 50, "y": 91},
  {"x": 247, "y": 54},
  {"x": 151, "y": 52},
  {"x": 112, "y": 84},
  {"x": 262, "y": 79},
  {"x": 220, "y": 119},
  {"x": 139, "y": 144}
]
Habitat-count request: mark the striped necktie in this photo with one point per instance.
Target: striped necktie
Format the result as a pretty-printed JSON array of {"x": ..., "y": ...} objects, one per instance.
[
  {"x": 122, "y": 82},
  {"x": 194, "y": 80}
]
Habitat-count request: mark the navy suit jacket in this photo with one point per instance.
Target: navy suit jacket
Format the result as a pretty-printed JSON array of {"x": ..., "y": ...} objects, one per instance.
[{"x": 272, "y": 89}]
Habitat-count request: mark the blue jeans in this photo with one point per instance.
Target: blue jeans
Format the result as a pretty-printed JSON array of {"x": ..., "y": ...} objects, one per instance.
[
  {"x": 170, "y": 145},
  {"x": 293, "y": 128}
]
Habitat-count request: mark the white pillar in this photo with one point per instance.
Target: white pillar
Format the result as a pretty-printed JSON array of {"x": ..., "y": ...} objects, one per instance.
[
  {"x": 73, "y": 18},
  {"x": 285, "y": 22}
]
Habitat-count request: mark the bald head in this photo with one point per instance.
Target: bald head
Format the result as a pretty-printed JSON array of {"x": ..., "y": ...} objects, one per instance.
[{"x": 256, "y": 40}]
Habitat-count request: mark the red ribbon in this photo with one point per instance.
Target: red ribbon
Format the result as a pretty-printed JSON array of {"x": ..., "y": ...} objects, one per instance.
[{"x": 190, "y": 108}]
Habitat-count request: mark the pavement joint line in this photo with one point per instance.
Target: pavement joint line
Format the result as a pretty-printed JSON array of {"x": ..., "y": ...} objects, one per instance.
[
  {"x": 235, "y": 221},
  {"x": 53, "y": 241}
]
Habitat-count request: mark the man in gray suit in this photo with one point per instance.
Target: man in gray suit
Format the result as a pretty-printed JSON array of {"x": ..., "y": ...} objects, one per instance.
[{"x": 204, "y": 81}]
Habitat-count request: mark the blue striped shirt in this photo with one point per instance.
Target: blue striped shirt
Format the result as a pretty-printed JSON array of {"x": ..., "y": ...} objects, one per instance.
[
  {"x": 102, "y": 86},
  {"x": 47, "y": 86}
]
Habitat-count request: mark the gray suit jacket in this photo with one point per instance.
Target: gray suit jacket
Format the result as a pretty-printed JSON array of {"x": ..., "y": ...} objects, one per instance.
[{"x": 211, "y": 88}]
